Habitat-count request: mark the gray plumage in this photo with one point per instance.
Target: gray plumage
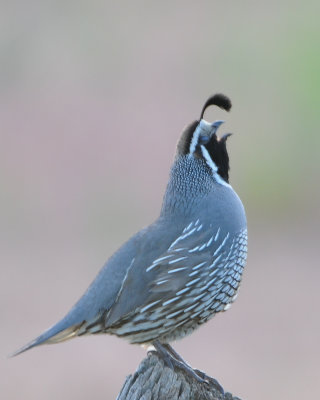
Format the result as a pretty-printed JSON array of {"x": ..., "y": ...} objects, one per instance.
[{"x": 174, "y": 275}]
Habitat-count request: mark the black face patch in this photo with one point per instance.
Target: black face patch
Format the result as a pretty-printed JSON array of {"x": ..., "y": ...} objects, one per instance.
[{"x": 217, "y": 150}]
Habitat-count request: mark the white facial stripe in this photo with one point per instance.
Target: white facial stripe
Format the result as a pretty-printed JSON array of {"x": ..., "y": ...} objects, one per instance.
[
  {"x": 203, "y": 127},
  {"x": 195, "y": 139},
  {"x": 209, "y": 160},
  {"x": 213, "y": 166}
]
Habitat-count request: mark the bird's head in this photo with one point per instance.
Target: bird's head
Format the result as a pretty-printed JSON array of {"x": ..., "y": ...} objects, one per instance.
[{"x": 199, "y": 139}]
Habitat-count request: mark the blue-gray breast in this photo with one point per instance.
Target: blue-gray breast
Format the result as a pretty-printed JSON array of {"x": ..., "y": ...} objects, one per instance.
[{"x": 177, "y": 273}]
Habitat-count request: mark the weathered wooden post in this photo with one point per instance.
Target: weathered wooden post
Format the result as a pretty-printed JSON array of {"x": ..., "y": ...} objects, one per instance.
[{"x": 154, "y": 381}]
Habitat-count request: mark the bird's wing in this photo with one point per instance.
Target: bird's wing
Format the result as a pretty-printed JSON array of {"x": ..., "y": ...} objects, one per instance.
[{"x": 192, "y": 251}]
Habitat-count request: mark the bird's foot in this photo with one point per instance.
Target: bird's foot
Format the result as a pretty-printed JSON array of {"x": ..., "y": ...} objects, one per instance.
[{"x": 173, "y": 360}]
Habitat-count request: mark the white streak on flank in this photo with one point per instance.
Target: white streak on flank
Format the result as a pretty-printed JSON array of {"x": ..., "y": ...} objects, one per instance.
[
  {"x": 214, "y": 272},
  {"x": 157, "y": 261},
  {"x": 199, "y": 265},
  {"x": 188, "y": 227},
  {"x": 202, "y": 247},
  {"x": 124, "y": 281},
  {"x": 225, "y": 267},
  {"x": 209, "y": 241},
  {"x": 177, "y": 260},
  {"x": 210, "y": 283},
  {"x": 173, "y": 314},
  {"x": 199, "y": 227},
  {"x": 226, "y": 307},
  {"x": 221, "y": 245},
  {"x": 192, "y": 282},
  {"x": 161, "y": 259},
  {"x": 172, "y": 271},
  {"x": 215, "y": 262},
  {"x": 181, "y": 322},
  {"x": 181, "y": 238},
  {"x": 180, "y": 249},
  {"x": 197, "y": 221},
  {"x": 149, "y": 306},
  {"x": 191, "y": 307},
  {"x": 161, "y": 282},
  {"x": 171, "y": 300},
  {"x": 195, "y": 314},
  {"x": 231, "y": 249},
  {"x": 194, "y": 273},
  {"x": 213, "y": 167},
  {"x": 199, "y": 297},
  {"x": 217, "y": 235},
  {"x": 182, "y": 291},
  {"x": 194, "y": 249}
]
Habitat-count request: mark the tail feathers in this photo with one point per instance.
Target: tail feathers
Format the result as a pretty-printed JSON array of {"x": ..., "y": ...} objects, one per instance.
[{"x": 55, "y": 334}]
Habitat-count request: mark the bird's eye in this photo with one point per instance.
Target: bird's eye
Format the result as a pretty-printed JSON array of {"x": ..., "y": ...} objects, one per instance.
[{"x": 204, "y": 139}]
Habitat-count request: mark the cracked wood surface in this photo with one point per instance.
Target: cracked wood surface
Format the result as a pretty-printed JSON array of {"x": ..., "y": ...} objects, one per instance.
[{"x": 154, "y": 381}]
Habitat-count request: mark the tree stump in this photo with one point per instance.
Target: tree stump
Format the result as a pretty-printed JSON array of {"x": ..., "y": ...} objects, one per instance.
[{"x": 154, "y": 381}]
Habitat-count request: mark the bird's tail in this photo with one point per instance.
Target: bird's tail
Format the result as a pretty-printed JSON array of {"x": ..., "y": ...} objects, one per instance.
[{"x": 57, "y": 333}]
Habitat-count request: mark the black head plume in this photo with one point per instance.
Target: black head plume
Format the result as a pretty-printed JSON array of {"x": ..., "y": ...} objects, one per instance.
[{"x": 220, "y": 100}]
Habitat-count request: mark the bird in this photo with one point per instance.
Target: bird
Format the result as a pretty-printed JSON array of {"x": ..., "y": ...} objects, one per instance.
[{"x": 182, "y": 269}]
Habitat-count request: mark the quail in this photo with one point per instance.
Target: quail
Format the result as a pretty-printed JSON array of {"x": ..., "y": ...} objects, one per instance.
[{"x": 177, "y": 273}]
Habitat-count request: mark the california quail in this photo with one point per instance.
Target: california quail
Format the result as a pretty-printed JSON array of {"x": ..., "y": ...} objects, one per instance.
[{"x": 177, "y": 273}]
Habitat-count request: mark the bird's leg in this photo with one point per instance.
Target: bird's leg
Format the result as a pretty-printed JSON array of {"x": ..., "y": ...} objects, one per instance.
[
  {"x": 172, "y": 351},
  {"x": 173, "y": 359},
  {"x": 199, "y": 374}
]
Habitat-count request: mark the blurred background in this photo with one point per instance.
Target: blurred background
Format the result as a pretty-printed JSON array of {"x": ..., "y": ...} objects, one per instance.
[{"x": 93, "y": 98}]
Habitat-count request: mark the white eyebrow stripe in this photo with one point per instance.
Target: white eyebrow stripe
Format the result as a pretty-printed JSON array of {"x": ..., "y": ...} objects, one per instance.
[
  {"x": 195, "y": 139},
  {"x": 203, "y": 127}
]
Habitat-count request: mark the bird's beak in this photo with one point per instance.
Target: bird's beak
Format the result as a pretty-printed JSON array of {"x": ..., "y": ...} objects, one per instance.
[
  {"x": 216, "y": 125},
  {"x": 207, "y": 130}
]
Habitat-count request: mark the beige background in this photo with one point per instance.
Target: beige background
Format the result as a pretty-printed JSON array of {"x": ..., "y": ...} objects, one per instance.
[{"x": 93, "y": 97}]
